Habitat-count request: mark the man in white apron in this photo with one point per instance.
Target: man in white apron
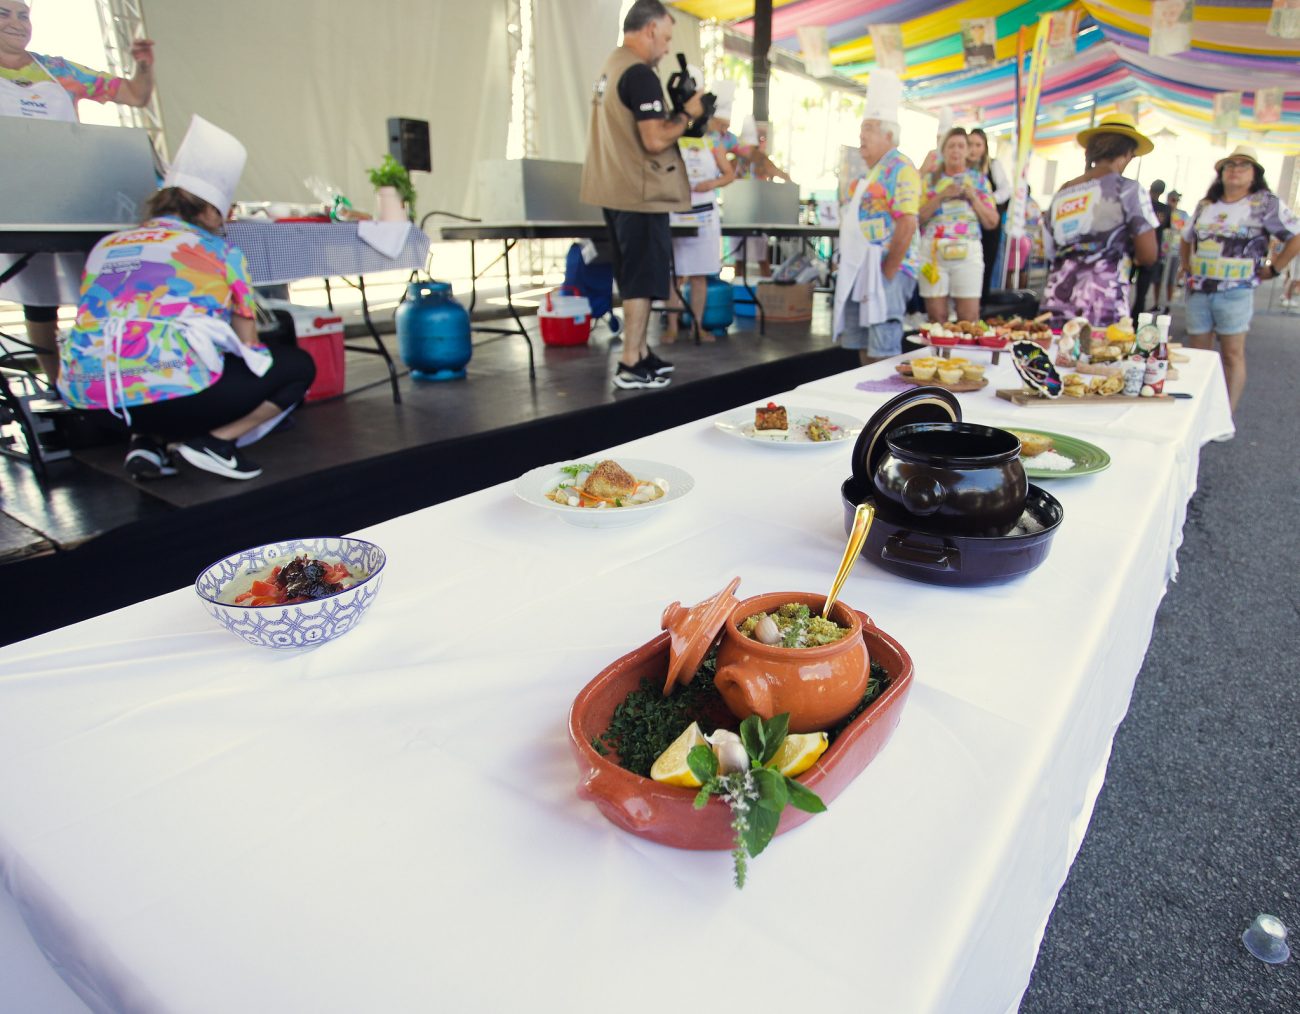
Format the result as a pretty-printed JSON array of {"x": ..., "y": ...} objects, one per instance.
[
  {"x": 877, "y": 269},
  {"x": 47, "y": 88}
]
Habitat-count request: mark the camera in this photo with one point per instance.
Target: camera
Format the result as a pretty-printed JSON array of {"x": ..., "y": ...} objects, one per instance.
[{"x": 681, "y": 86}]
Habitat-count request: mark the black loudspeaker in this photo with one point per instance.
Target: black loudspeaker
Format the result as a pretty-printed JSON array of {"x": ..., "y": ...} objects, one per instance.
[{"x": 408, "y": 142}]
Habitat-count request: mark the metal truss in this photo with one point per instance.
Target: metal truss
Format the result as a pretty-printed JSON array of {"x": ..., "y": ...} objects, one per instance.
[{"x": 121, "y": 22}]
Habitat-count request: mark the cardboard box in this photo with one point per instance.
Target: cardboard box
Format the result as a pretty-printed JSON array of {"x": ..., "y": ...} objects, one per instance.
[{"x": 785, "y": 302}]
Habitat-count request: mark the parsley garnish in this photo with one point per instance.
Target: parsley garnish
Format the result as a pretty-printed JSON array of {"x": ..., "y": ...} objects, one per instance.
[{"x": 573, "y": 471}]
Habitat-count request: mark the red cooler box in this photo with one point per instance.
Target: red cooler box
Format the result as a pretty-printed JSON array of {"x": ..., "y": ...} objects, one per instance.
[
  {"x": 565, "y": 317},
  {"x": 319, "y": 333}
]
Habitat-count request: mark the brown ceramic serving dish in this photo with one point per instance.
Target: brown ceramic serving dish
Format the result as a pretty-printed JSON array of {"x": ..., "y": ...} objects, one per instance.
[
  {"x": 818, "y": 686},
  {"x": 664, "y": 813}
]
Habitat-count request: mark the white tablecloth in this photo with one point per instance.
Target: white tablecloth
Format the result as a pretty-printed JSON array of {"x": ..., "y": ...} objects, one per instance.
[{"x": 390, "y": 823}]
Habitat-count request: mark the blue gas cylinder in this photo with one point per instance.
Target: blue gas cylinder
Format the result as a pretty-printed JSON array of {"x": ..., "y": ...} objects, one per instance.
[
  {"x": 433, "y": 332},
  {"x": 719, "y": 311}
]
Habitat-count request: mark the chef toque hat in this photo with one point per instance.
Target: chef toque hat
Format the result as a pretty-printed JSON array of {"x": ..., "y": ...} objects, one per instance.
[
  {"x": 749, "y": 132},
  {"x": 725, "y": 92},
  {"x": 208, "y": 164},
  {"x": 884, "y": 95}
]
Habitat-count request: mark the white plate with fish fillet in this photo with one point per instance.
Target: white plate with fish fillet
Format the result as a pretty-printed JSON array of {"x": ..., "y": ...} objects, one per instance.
[
  {"x": 740, "y": 424},
  {"x": 555, "y": 488}
]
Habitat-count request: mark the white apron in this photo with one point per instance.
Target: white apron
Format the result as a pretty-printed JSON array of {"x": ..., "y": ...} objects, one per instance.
[
  {"x": 48, "y": 279},
  {"x": 855, "y": 253},
  {"x": 700, "y": 254}
]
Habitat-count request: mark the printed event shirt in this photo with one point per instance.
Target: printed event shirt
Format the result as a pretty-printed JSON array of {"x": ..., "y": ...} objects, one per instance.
[
  {"x": 955, "y": 219},
  {"x": 1088, "y": 236},
  {"x": 1230, "y": 241},
  {"x": 151, "y": 276},
  {"x": 893, "y": 189},
  {"x": 1174, "y": 234},
  {"x": 78, "y": 81}
]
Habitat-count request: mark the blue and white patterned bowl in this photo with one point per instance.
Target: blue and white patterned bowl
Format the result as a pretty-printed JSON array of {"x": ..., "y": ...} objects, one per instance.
[{"x": 304, "y": 624}]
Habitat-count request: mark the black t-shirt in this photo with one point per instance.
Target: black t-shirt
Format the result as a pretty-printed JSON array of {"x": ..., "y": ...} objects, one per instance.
[
  {"x": 1162, "y": 216},
  {"x": 639, "y": 89}
]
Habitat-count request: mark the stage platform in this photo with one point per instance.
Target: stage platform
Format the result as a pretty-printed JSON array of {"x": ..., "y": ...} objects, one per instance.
[{"x": 95, "y": 541}]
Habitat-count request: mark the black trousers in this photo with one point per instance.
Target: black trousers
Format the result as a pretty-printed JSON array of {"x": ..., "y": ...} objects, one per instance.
[
  {"x": 237, "y": 393},
  {"x": 1146, "y": 277}
]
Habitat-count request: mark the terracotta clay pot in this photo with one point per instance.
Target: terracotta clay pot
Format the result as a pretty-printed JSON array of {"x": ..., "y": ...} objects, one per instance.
[
  {"x": 666, "y": 813},
  {"x": 817, "y": 686}
]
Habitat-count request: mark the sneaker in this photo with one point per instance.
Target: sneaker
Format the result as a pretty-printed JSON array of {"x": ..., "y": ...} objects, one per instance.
[
  {"x": 220, "y": 457},
  {"x": 146, "y": 460},
  {"x": 1285, "y": 301},
  {"x": 657, "y": 366},
  {"x": 630, "y": 378}
]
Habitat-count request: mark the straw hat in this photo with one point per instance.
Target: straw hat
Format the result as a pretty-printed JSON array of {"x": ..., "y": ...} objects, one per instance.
[
  {"x": 1241, "y": 151},
  {"x": 1118, "y": 123}
]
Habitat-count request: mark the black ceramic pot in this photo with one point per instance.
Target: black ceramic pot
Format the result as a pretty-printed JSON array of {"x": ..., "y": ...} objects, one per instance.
[
  {"x": 956, "y": 478},
  {"x": 947, "y": 559}
]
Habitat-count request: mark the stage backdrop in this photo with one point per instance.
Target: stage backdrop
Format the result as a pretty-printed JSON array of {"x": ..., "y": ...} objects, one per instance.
[
  {"x": 308, "y": 88},
  {"x": 573, "y": 39}
]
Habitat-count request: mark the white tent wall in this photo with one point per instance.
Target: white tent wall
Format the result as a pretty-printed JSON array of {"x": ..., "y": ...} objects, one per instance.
[
  {"x": 572, "y": 40},
  {"x": 308, "y": 87}
]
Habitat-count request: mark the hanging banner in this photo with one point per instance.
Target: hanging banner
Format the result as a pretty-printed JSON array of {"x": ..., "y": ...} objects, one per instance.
[
  {"x": 887, "y": 40},
  {"x": 1127, "y": 107},
  {"x": 1219, "y": 140},
  {"x": 1227, "y": 107},
  {"x": 979, "y": 37},
  {"x": 815, "y": 51},
  {"x": 1171, "y": 27},
  {"x": 1268, "y": 105},
  {"x": 1289, "y": 181},
  {"x": 1028, "y": 117},
  {"x": 1284, "y": 20},
  {"x": 1063, "y": 30}
]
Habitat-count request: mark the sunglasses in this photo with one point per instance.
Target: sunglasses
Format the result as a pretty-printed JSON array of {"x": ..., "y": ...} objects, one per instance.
[{"x": 1238, "y": 164}]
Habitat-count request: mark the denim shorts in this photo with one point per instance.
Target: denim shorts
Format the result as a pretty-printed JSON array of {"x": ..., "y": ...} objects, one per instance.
[
  {"x": 1221, "y": 312},
  {"x": 884, "y": 339}
]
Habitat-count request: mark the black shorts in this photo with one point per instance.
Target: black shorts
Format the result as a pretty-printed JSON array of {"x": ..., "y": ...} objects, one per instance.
[{"x": 643, "y": 253}]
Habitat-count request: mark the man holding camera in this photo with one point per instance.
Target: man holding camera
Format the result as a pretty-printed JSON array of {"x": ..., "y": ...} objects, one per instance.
[{"x": 635, "y": 173}]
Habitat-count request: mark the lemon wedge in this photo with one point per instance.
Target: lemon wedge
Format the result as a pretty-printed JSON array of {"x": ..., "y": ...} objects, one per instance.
[
  {"x": 670, "y": 767},
  {"x": 799, "y": 752}
]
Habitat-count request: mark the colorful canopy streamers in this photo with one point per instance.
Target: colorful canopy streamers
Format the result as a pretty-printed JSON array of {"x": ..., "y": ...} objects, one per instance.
[{"x": 1231, "y": 50}]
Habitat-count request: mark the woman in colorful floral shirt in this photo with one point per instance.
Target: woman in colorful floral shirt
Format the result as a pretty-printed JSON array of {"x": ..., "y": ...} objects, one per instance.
[
  {"x": 957, "y": 205},
  {"x": 1097, "y": 225},
  {"x": 36, "y": 87},
  {"x": 165, "y": 338},
  {"x": 1225, "y": 251}
]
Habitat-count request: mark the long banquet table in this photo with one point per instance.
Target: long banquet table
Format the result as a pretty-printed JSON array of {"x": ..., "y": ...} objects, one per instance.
[{"x": 389, "y": 822}]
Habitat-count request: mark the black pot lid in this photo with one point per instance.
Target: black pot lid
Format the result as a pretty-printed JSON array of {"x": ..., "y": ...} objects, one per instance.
[{"x": 920, "y": 405}]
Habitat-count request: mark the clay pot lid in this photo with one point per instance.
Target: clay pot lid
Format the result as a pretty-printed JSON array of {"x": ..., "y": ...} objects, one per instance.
[
  {"x": 921, "y": 405},
  {"x": 692, "y": 631}
]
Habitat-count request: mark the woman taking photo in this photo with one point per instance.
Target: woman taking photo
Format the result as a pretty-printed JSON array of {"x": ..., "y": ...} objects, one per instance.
[
  {"x": 1225, "y": 252},
  {"x": 165, "y": 338},
  {"x": 1097, "y": 225},
  {"x": 957, "y": 204},
  {"x": 999, "y": 185}
]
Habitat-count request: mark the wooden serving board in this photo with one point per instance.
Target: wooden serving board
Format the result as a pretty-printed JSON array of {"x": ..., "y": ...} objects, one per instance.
[
  {"x": 1019, "y": 396},
  {"x": 905, "y": 375}
]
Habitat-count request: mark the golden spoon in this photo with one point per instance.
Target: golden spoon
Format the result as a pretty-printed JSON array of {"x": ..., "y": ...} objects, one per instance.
[{"x": 861, "y": 525}]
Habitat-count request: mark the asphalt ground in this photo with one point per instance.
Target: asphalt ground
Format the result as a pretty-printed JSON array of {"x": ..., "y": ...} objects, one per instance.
[{"x": 1197, "y": 827}]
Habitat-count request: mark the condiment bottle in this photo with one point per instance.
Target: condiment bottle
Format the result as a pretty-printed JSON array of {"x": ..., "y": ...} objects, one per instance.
[{"x": 1158, "y": 361}]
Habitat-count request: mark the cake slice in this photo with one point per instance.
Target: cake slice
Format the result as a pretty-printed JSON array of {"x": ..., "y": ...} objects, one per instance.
[{"x": 771, "y": 420}]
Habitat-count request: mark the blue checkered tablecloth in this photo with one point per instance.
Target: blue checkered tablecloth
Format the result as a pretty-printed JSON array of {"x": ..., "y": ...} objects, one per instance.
[{"x": 280, "y": 252}]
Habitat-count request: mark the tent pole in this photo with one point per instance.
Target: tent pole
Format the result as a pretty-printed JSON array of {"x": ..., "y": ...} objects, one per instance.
[{"x": 762, "y": 69}]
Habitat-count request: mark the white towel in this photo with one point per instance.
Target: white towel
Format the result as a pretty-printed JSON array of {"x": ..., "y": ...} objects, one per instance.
[
  {"x": 387, "y": 237},
  {"x": 869, "y": 288}
]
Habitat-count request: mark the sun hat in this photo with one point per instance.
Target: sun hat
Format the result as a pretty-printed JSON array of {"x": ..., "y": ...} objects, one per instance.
[
  {"x": 208, "y": 164},
  {"x": 1118, "y": 123},
  {"x": 1241, "y": 151}
]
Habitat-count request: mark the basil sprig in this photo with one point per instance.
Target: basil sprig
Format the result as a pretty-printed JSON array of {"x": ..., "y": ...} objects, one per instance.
[{"x": 756, "y": 796}]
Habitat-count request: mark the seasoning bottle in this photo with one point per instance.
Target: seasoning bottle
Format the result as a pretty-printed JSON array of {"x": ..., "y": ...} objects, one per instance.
[{"x": 1158, "y": 360}]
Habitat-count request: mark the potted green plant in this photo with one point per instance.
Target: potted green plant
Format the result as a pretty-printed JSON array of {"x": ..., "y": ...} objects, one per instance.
[{"x": 393, "y": 190}]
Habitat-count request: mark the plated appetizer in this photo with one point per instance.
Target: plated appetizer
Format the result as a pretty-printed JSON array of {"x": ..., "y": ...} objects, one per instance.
[{"x": 606, "y": 484}]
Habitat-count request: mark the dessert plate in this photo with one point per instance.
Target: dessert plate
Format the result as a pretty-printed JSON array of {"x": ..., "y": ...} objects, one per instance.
[
  {"x": 740, "y": 424},
  {"x": 1088, "y": 458}
]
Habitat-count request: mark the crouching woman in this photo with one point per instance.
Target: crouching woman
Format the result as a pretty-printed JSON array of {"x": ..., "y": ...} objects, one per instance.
[{"x": 165, "y": 337}]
